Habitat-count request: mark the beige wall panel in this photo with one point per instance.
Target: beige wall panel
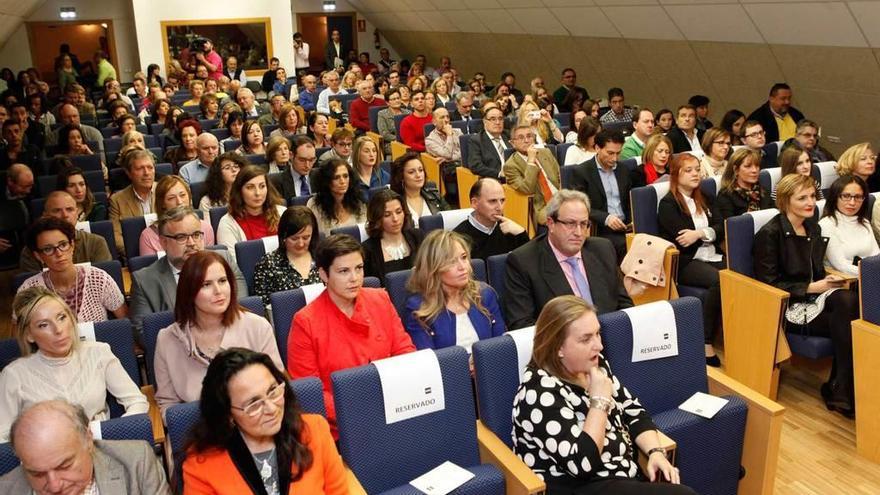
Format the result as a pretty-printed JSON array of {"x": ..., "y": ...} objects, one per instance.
[
  {"x": 821, "y": 67},
  {"x": 851, "y": 117}
]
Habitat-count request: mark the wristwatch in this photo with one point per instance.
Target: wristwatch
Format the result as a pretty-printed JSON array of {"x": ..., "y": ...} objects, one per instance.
[{"x": 602, "y": 403}]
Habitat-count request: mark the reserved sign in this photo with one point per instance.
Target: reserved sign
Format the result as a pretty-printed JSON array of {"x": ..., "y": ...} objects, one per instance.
[
  {"x": 654, "y": 332},
  {"x": 412, "y": 385}
]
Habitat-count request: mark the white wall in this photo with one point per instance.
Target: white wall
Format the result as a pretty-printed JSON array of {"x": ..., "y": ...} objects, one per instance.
[
  {"x": 149, "y": 14},
  {"x": 16, "y": 53},
  {"x": 364, "y": 40}
]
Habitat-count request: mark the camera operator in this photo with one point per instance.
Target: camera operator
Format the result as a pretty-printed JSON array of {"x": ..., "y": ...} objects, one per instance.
[
  {"x": 204, "y": 52},
  {"x": 300, "y": 54}
]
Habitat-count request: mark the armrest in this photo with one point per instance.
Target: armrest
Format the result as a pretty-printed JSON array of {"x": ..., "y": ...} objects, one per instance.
[
  {"x": 866, "y": 369},
  {"x": 331, "y": 125},
  {"x": 518, "y": 478},
  {"x": 848, "y": 279},
  {"x": 398, "y": 149},
  {"x": 667, "y": 443},
  {"x": 126, "y": 281},
  {"x": 351, "y": 481},
  {"x": 763, "y": 429},
  {"x": 754, "y": 340},
  {"x": 155, "y": 415},
  {"x": 432, "y": 169}
]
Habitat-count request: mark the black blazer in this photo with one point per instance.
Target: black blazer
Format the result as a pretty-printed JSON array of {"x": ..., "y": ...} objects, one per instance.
[
  {"x": 730, "y": 204},
  {"x": 784, "y": 259},
  {"x": 284, "y": 184},
  {"x": 374, "y": 259},
  {"x": 585, "y": 178},
  {"x": 483, "y": 159},
  {"x": 475, "y": 125},
  {"x": 534, "y": 277},
  {"x": 680, "y": 143},
  {"x": 764, "y": 115},
  {"x": 672, "y": 219},
  {"x": 432, "y": 198},
  {"x": 330, "y": 54}
]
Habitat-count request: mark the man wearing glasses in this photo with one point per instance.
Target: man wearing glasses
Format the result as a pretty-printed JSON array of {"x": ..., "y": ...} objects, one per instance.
[
  {"x": 564, "y": 261},
  {"x": 754, "y": 137},
  {"x": 807, "y": 136},
  {"x": 486, "y": 149},
  {"x": 154, "y": 288},
  {"x": 569, "y": 83},
  {"x": 533, "y": 171},
  {"x": 298, "y": 180},
  {"x": 342, "y": 140}
]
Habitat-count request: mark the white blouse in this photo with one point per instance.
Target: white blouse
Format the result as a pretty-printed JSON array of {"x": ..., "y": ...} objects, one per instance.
[
  {"x": 576, "y": 155},
  {"x": 706, "y": 252},
  {"x": 465, "y": 333},
  {"x": 847, "y": 238}
]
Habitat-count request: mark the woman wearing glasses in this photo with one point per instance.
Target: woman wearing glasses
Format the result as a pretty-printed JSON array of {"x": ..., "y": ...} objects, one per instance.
[
  {"x": 716, "y": 146},
  {"x": 171, "y": 192},
  {"x": 212, "y": 322},
  {"x": 845, "y": 223},
  {"x": 252, "y": 437},
  {"x": 90, "y": 292}
]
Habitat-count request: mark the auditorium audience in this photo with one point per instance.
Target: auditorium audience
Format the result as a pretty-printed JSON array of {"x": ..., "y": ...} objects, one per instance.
[
  {"x": 575, "y": 119},
  {"x": 209, "y": 105},
  {"x": 777, "y": 117},
  {"x": 845, "y": 223},
  {"x": 569, "y": 83},
  {"x": 532, "y": 170},
  {"x": 617, "y": 112},
  {"x": 408, "y": 179},
  {"x": 555, "y": 264},
  {"x": 656, "y": 157},
  {"x": 664, "y": 121},
  {"x": 643, "y": 127},
  {"x": 739, "y": 191},
  {"x": 69, "y": 115},
  {"x": 333, "y": 88},
  {"x": 254, "y": 209},
  {"x": 72, "y": 180},
  {"x": 139, "y": 198},
  {"x": 584, "y": 148},
  {"x": 336, "y": 201},
  {"x": 218, "y": 183},
  {"x": 795, "y": 160},
  {"x": 154, "y": 288},
  {"x": 234, "y": 124},
  {"x": 212, "y": 322},
  {"x": 685, "y": 136},
  {"x": 252, "y": 139},
  {"x": 392, "y": 240},
  {"x": 171, "y": 192},
  {"x": 448, "y": 306},
  {"x": 716, "y": 148},
  {"x": 296, "y": 179},
  {"x": 486, "y": 149},
  {"x": 278, "y": 154},
  {"x": 732, "y": 122},
  {"x": 544, "y": 127},
  {"x": 308, "y": 97},
  {"x": 56, "y": 363},
  {"x": 368, "y": 173},
  {"x": 292, "y": 265},
  {"x": 607, "y": 184},
  {"x": 15, "y": 150},
  {"x": 348, "y": 325},
  {"x": 87, "y": 247},
  {"x": 859, "y": 160},
  {"x": 789, "y": 254},
  {"x": 251, "y": 429},
  {"x": 487, "y": 230},
  {"x": 57, "y": 450},
  {"x": 569, "y": 373},
  {"x": 359, "y": 108},
  {"x": 701, "y": 107},
  {"x": 690, "y": 221}
]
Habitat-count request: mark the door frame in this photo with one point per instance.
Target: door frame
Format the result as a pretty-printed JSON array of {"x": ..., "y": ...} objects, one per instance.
[
  {"x": 354, "y": 41},
  {"x": 111, "y": 37}
]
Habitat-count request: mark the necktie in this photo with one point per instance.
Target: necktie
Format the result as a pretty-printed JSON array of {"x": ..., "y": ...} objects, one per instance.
[
  {"x": 304, "y": 186},
  {"x": 580, "y": 279},
  {"x": 500, "y": 147}
]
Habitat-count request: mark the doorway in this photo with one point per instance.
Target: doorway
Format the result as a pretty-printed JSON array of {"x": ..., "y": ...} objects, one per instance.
[
  {"x": 84, "y": 38},
  {"x": 316, "y": 29}
]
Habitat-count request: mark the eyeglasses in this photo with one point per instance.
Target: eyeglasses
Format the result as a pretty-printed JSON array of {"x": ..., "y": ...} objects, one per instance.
[
  {"x": 255, "y": 408},
  {"x": 755, "y": 134},
  {"x": 722, "y": 143},
  {"x": 61, "y": 247},
  {"x": 182, "y": 238},
  {"x": 495, "y": 119},
  {"x": 808, "y": 135},
  {"x": 345, "y": 144},
  {"x": 230, "y": 168},
  {"x": 574, "y": 224},
  {"x": 846, "y": 197}
]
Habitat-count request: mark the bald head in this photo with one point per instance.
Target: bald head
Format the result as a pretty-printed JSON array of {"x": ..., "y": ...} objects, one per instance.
[
  {"x": 48, "y": 421},
  {"x": 440, "y": 117},
  {"x": 19, "y": 180},
  {"x": 69, "y": 114},
  {"x": 208, "y": 148}
]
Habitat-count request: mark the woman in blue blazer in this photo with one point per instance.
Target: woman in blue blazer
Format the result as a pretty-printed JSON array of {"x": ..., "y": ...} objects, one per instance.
[{"x": 448, "y": 306}]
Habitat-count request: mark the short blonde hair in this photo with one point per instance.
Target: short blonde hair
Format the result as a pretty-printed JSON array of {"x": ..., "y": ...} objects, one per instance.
[
  {"x": 848, "y": 161},
  {"x": 23, "y": 307},
  {"x": 551, "y": 330},
  {"x": 788, "y": 186}
]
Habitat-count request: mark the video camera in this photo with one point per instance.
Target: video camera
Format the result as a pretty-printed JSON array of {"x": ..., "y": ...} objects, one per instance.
[{"x": 198, "y": 44}]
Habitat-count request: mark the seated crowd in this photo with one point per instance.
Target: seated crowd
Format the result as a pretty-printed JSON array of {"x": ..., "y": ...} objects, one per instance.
[{"x": 304, "y": 173}]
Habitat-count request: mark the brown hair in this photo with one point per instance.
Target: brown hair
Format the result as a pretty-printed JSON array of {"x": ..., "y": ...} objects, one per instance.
[
  {"x": 711, "y": 136},
  {"x": 236, "y": 200},
  {"x": 677, "y": 163},
  {"x": 192, "y": 276},
  {"x": 651, "y": 145},
  {"x": 551, "y": 330},
  {"x": 376, "y": 211},
  {"x": 163, "y": 186},
  {"x": 737, "y": 159},
  {"x": 788, "y": 159}
]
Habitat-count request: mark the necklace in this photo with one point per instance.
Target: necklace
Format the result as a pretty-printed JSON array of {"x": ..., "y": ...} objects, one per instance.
[{"x": 396, "y": 252}]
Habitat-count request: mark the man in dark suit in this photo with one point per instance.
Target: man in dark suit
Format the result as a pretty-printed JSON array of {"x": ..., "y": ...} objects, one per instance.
[
  {"x": 778, "y": 118},
  {"x": 298, "y": 180},
  {"x": 607, "y": 186},
  {"x": 486, "y": 149},
  {"x": 465, "y": 111},
  {"x": 685, "y": 136},
  {"x": 154, "y": 288},
  {"x": 565, "y": 261},
  {"x": 334, "y": 57},
  {"x": 15, "y": 198}
]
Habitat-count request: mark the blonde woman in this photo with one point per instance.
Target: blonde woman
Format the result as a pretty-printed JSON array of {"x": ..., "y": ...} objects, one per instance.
[
  {"x": 56, "y": 364},
  {"x": 859, "y": 160},
  {"x": 546, "y": 130},
  {"x": 448, "y": 306}
]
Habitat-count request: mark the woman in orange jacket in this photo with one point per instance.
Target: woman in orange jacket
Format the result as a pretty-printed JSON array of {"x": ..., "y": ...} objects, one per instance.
[{"x": 251, "y": 428}]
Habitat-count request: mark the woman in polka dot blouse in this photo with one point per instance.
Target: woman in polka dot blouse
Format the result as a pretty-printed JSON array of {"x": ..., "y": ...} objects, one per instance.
[{"x": 574, "y": 424}]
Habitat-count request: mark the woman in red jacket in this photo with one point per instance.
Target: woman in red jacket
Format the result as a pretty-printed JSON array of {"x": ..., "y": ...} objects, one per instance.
[
  {"x": 347, "y": 325},
  {"x": 253, "y": 438}
]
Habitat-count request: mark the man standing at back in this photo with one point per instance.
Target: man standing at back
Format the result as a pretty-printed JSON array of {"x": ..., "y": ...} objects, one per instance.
[
  {"x": 335, "y": 56},
  {"x": 300, "y": 54},
  {"x": 778, "y": 118},
  {"x": 569, "y": 83}
]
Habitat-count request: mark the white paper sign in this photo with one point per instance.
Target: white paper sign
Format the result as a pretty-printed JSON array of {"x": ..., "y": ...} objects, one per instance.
[
  {"x": 95, "y": 427},
  {"x": 654, "y": 332},
  {"x": 704, "y": 405},
  {"x": 270, "y": 243},
  {"x": 524, "y": 339},
  {"x": 84, "y": 226},
  {"x": 442, "y": 479},
  {"x": 86, "y": 331},
  {"x": 312, "y": 291},
  {"x": 150, "y": 218},
  {"x": 451, "y": 218},
  {"x": 412, "y": 385}
]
